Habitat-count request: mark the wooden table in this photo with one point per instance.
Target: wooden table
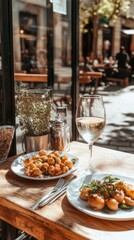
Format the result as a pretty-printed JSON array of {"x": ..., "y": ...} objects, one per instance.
[
  {"x": 61, "y": 220},
  {"x": 29, "y": 77}
]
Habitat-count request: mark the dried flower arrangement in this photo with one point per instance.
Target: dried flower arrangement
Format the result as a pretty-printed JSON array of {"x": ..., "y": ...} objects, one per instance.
[{"x": 33, "y": 108}]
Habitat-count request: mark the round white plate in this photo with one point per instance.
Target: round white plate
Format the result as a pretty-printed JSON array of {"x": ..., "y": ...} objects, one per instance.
[
  {"x": 18, "y": 167},
  {"x": 73, "y": 197}
]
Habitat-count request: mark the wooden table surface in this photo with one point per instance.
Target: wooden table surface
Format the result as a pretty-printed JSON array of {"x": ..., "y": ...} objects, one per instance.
[
  {"x": 30, "y": 77},
  {"x": 61, "y": 220}
]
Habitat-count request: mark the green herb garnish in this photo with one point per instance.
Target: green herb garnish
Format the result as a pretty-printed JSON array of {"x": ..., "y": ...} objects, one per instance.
[{"x": 125, "y": 206}]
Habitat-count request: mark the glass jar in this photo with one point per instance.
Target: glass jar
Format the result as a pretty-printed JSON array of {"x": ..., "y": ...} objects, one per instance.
[
  {"x": 6, "y": 137},
  {"x": 59, "y": 136}
]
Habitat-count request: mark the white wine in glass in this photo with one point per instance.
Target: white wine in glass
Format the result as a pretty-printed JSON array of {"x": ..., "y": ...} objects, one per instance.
[{"x": 90, "y": 119}]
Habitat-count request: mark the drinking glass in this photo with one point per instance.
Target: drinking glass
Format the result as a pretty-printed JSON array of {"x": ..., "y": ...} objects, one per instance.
[
  {"x": 90, "y": 120},
  {"x": 6, "y": 137}
]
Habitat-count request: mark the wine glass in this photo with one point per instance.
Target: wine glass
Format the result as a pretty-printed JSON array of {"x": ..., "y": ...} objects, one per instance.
[{"x": 90, "y": 120}]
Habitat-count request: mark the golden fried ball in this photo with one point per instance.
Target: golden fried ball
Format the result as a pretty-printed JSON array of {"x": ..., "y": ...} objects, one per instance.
[
  {"x": 84, "y": 194},
  {"x": 129, "y": 201},
  {"x": 112, "y": 204},
  {"x": 96, "y": 202},
  {"x": 118, "y": 195}
]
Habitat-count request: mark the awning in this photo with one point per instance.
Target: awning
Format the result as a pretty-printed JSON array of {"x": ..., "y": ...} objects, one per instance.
[{"x": 128, "y": 31}]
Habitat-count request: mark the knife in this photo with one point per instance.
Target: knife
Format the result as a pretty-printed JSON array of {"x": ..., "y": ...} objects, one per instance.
[
  {"x": 57, "y": 194},
  {"x": 58, "y": 185},
  {"x": 56, "y": 197},
  {"x": 87, "y": 179}
]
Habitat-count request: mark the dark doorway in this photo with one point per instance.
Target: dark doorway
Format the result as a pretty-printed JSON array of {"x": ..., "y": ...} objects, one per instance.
[{"x": 87, "y": 39}]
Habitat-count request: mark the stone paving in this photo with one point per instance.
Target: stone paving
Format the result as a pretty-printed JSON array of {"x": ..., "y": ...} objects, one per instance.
[{"x": 119, "y": 131}]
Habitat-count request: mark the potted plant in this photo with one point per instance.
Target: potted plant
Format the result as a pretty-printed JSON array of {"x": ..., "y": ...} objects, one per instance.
[{"x": 33, "y": 109}]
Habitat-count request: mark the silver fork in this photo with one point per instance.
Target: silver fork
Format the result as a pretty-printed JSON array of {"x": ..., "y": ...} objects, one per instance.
[
  {"x": 58, "y": 185},
  {"x": 62, "y": 190}
]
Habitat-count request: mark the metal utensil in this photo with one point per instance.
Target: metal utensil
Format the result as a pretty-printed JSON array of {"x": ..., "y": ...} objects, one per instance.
[
  {"x": 58, "y": 186},
  {"x": 58, "y": 195},
  {"x": 88, "y": 178},
  {"x": 22, "y": 236},
  {"x": 63, "y": 190},
  {"x": 55, "y": 196}
]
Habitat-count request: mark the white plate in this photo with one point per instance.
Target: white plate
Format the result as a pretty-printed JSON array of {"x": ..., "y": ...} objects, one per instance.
[
  {"x": 18, "y": 167},
  {"x": 73, "y": 197}
]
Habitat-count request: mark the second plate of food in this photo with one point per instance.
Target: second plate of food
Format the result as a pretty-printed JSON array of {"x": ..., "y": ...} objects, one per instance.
[{"x": 73, "y": 195}]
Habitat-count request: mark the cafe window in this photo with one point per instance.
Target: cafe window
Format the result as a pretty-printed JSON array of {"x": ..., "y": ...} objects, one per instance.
[
  {"x": 40, "y": 35},
  {"x": 42, "y": 44}
]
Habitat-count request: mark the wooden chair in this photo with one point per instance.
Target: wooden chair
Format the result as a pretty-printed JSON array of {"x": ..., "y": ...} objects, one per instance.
[
  {"x": 63, "y": 80},
  {"x": 85, "y": 82},
  {"x": 94, "y": 78},
  {"x": 124, "y": 82}
]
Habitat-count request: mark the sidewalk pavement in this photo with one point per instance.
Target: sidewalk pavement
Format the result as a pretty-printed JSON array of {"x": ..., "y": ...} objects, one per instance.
[{"x": 119, "y": 131}]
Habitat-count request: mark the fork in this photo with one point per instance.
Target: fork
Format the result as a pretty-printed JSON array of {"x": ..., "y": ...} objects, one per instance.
[
  {"x": 62, "y": 190},
  {"x": 58, "y": 185}
]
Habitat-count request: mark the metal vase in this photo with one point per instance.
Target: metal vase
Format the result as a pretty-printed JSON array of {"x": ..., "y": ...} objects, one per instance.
[{"x": 36, "y": 143}]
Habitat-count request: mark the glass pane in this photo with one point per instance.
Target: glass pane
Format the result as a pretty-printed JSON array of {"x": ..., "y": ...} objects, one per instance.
[
  {"x": 107, "y": 48},
  {"x": 30, "y": 41},
  {"x": 62, "y": 59},
  {"x": 42, "y": 45}
]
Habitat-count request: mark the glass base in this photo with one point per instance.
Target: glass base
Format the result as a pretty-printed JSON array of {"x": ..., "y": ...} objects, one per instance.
[{"x": 3, "y": 160}]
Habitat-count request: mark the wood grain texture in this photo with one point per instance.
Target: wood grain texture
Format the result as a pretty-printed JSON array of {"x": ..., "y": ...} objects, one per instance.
[
  {"x": 60, "y": 220},
  {"x": 26, "y": 77}
]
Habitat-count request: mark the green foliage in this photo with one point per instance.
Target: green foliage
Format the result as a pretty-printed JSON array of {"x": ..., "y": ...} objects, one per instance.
[
  {"x": 33, "y": 108},
  {"x": 108, "y": 9}
]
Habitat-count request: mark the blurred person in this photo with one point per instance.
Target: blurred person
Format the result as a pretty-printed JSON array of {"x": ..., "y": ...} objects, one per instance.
[
  {"x": 111, "y": 61},
  {"x": 106, "y": 49},
  {"x": 100, "y": 59},
  {"x": 81, "y": 62},
  {"x": 33, "y": 62},
  {"x": 42, "y": 61},
  {"x": 110, "y": 69},
  {"x": 41, "y": 67},
  {"x": 131, "y": 63},
  {"x": 26, "y": 64},
  {"x": 84, "y": 65},
  {"x": 122, "y": 58},
  {"x": 90, "y": 58},
  {"x": 122, "y": 63}
]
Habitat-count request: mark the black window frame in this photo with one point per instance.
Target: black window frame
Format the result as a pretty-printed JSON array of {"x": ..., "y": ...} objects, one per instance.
[{"x": 7, "y": 73}]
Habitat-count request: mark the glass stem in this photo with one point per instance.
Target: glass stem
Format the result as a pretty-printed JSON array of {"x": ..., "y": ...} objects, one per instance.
[
  {"x": 91, "y": 165},
  {"x": 90, "y": 149}
]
